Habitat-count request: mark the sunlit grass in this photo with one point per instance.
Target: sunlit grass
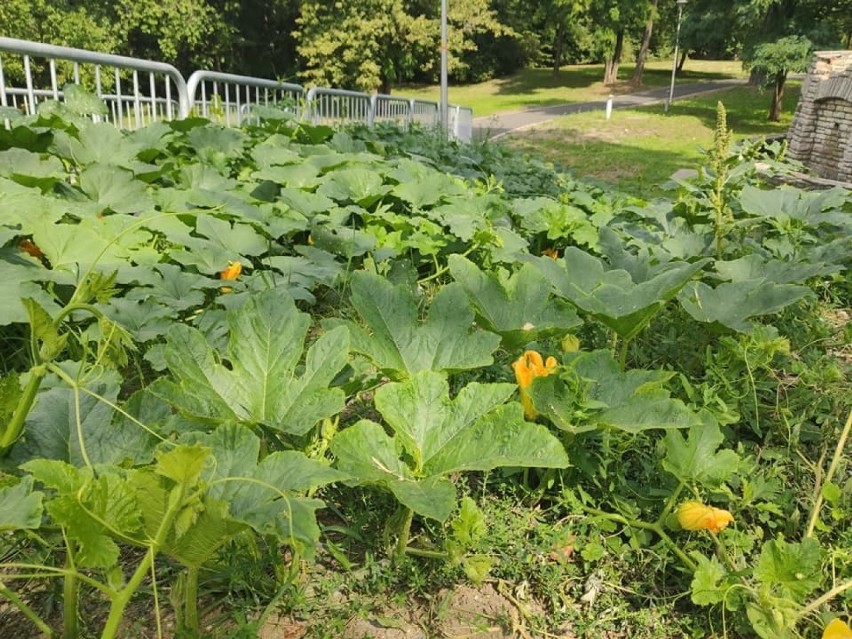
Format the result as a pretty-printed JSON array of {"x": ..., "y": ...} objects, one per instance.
[
  {"x": 575, "y": 83},
  {"x": 639, "y": 149}
]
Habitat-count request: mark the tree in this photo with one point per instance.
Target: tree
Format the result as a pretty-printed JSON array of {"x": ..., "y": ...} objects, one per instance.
[
  {"x": 372, "y": 45},
  {"x": 788, "y": 32},
  {"x": 367, "y": 45},
  {"x": 614, "y": 20},
  {"x": 186, "y": 33},
  {"x": 58, "y": 22},
  {"x": 774, "y": 60},
  {"x": 473, "y": 25},
  {"x": 259, "y": 40},
  {"x": 646, "y": 43}
]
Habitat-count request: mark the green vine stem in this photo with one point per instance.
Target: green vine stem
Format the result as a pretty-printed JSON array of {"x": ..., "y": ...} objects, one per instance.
[
  {"x": 835, "y": 462},
  {"x": 819, "y": 601},
  {"x": 16, "y": 425},
  {"x": 122, "y": 598},
  {"x": 404, "y": 535},
  {"x": 190, "y": 605},
  {"x": 656, "y": 528},
  {"x": 13, "y": 429},
  {"x": 70, "y": 595},
  {"x": 428, "y": 554},
  {"x": 622, "y": 358},
  {"x": 28, "y": 612}
]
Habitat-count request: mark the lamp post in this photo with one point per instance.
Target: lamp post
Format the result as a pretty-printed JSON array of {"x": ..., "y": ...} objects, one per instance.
[
  {"x": 445, "y": 113},
  {"x": 680, "y": 4}
]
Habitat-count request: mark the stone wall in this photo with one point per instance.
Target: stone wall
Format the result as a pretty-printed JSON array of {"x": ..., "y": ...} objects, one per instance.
[{"x": 821, "y": 133}]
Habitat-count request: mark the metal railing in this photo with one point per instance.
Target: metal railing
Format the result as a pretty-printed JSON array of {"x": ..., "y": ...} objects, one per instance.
[
  {"x": 426, "y": 113},
  {"x": 388, "y": 108},
  {"x": 124, "y": 83},
  {"x": 460, "y": 123},
  {"x": 338, "y": 106},
  {"x": 137, "y": 92},
  {"x": 229, "y": 98}
]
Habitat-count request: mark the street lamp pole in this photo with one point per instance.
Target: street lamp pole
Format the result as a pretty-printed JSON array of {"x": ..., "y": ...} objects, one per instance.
[
  {"x": 680, "y": 4},
  {"x": 445, "y": 112}
]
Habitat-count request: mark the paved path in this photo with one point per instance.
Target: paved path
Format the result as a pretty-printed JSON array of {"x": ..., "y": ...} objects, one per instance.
[{"x": 499, "y": 124}]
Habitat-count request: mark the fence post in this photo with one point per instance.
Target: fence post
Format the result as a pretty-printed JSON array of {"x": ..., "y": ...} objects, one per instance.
[{"x": 371, "y": 110}]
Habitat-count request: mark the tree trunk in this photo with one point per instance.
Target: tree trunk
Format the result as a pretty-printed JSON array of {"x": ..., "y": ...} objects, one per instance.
[
  {"x": 777, "y": 96},
  {"x": 683, "y": 55},
  {"x": 646, "y": 44},
  {"x": 558, "y": 43},
  {"x": 611, "y": 68}
]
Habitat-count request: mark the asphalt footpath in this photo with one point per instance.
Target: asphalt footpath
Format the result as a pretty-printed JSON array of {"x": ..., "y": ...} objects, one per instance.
[{"x": 499, "y": 124}]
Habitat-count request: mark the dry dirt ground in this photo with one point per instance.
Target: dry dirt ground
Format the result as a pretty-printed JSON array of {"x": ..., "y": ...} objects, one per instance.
[{"x": 465, "y": 612}]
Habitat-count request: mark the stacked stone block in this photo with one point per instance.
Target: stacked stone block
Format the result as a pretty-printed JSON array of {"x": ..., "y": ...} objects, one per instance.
[{"x": 821, "y": 134}]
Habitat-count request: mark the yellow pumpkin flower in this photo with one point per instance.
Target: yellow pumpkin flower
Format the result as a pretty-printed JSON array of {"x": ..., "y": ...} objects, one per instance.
[
  {"x": 837, "y": 629},
  {"x": 231, "y": 272},
  {"x": 527, "y": 367},
  {"x": 693, "y": 515},
  {"x": 552, "y": 253}
]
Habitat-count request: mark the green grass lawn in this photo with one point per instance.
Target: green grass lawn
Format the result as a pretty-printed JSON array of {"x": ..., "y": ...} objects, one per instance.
[
  {"x": 575, "y": 83},
  {"x": 639, "y": 149}
]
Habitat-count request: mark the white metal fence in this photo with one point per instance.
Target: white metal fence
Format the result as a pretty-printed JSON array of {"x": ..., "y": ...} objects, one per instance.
[{"x": 136, "y": 92}]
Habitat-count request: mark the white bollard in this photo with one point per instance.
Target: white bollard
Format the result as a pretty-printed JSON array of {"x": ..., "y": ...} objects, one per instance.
[{"x": 609, "y": 108}]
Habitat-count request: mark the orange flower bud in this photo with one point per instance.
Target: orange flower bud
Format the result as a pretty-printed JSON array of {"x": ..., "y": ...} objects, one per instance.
[
  {"x": 231, "y": 272},
  {"x": 552, "y": 253},
  {"x": 693, "y": 515},
  {"x": 527, "y": 367}
]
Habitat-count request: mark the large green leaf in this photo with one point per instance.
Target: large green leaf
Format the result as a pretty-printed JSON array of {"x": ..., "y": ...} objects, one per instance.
[
  {"x": 400, "y": 345},
  {"x": 367, "y": 453},
  {"x": 223, "y": 242},
  {"x": 96, "y": 143},
  {"x": 435, "y": 436},
  {"x": 791, "y": 570},
  {"x": 82, "y": 102},
  {"x": 556, "y": 219},
  {"x": 755, "y": 267},
  {"x": 519, "y": 308},
  {"x": 428, "y": 189},
  {"x": 105, "y": 244},
  {"x": 425, "y": 419},
  {"x": 30, "y": 169},
  {"x": 173, "y": 287},
  {"x": 228, "y": 142},
  {"x": 267, "y": 496},
  {"x": 20, "y": 507},
  {"x": 115, "y": 189},
  {"x": 695, "y": 459},
  {"x": 613, "y": 296},
  {"x": 591, "y": 392},
  {"x": 708, "y": 582},
  {"x": 261, "y": 385},
  {"x": 65, "y": 422},
  {"x": 91, "y": 509},
  {"x": 731, "y": 304},
  {"x": 303, "y": 273},
  {"x": 18, "y": 281}
]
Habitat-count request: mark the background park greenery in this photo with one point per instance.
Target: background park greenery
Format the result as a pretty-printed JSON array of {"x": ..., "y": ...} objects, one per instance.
[{"x": 377, "y": 44}]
